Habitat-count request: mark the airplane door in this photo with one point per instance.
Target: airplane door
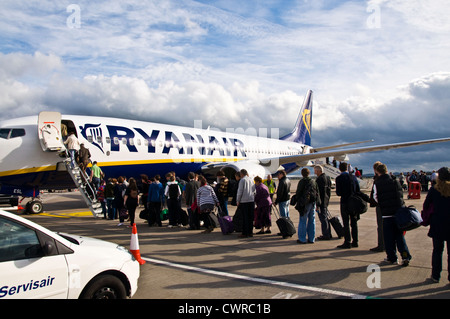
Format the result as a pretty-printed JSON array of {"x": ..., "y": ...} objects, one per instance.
[{"x": 49, "y": 131}]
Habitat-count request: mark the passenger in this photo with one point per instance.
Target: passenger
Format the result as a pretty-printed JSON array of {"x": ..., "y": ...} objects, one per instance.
[
  {"x": 283, "y": 193},
  {"x": 109, "y": 195},
  {"x": 101, "y": 197},
  {"x": 438, "y": 198},
  {"x": 324, "y": 184},
  {"x": 119, "y": 192},
  {"x": 246, "y": 202},
  {"x": 373, "y": 203},
  {"x": 222, "y": 192},
  {"x": 307, "y": 195},
  {"x": 131, "y": 199},
  {"x": 84, "y": 157},
  {"x": 344, "y": 183},
  {"x": 73, "y": 146},
  {"x": 96, "y": 175},
  {"x": 234, "y": 187},
  {"x": 190, "y": 195},
  {"x": 154, "y": 201},
  {"x": 145, "y": 185},
  {"x": 263, "y": 205},
  {"x": 269, "y": 182},
  {"x": 206, "y": 200},
  {"x": 173, "y": 193},
  {"x": 389, "y": 195}
]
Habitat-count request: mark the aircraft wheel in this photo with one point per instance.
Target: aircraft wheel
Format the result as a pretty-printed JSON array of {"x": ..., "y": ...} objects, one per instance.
[{"x": 34, "y": 207}]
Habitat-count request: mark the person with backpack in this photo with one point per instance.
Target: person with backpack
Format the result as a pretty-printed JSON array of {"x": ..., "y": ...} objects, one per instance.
[
  {"x": 172, "y": 193},
  {"x": 131, "y": 199},
  {"x": 307, "y": 197}
]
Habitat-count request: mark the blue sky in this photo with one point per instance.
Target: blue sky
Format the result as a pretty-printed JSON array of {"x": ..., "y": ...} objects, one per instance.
[{"x": 379, "y": 69}]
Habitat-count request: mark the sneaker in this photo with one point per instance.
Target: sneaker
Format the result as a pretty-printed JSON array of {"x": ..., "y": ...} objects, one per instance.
[
  {"x": 345, "y": 246},
  {"x": 120, "y": 224},
  {"x": 405, "y": 262},
  {"x": 389, "y": 262},
  {"x": 355, "y": 244}
]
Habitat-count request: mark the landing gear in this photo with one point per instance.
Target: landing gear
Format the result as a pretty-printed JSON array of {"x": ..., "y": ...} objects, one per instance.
[{"x": 34, "y": 206}]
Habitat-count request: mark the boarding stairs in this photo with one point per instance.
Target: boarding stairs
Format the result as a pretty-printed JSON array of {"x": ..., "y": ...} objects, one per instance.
[
  {"x": 87, "y": 191},
  {"x": 49, "y": 132}
]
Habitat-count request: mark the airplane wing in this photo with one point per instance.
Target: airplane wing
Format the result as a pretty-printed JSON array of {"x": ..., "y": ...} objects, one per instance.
[{"x": 304, "y": 158}]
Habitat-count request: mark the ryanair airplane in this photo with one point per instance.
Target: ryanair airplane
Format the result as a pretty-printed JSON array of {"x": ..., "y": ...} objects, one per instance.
[{"x": 31, "y": 148}]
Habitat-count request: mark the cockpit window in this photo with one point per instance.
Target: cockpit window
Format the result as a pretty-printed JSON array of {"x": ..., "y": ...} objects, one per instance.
[{"x": 8, "y": 133}]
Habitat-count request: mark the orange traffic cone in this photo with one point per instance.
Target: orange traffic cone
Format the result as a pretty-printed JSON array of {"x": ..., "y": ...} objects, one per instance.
[{"x": 134, "y": 246}]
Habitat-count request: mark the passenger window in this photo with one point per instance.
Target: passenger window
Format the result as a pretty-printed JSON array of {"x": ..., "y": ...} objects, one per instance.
[
  {"x": 18, "y": 241},
  {"x": 17, "y": 132},
  {"x": 4, "y": 133}
]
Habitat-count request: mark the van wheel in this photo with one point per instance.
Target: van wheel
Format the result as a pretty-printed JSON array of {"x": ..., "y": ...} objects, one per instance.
[{"x": 105, "y": 287}]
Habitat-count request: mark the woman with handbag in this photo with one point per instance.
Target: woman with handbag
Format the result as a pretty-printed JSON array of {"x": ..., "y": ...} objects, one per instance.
[
  {"x": 207, "y": 200},
  {"x": 438, "y": 200},
  {"x": 389, "y": 196}
]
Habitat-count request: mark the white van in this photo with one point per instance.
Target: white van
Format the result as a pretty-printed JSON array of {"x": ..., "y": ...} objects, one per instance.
[{"x": 38, "y": 263}]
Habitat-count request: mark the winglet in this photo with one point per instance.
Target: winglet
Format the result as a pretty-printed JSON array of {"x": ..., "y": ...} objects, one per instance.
[{"x": 302, "y": 130}]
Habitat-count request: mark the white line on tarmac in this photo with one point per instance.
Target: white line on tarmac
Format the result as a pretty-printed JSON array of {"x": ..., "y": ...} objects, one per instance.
[{"x": 256, "y": 279}]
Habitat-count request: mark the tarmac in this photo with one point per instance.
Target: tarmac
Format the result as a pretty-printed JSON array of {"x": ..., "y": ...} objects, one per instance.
[{"x": 186, "y": 264}]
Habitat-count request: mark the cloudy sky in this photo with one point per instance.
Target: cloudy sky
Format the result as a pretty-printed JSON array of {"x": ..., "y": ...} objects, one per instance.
[{"x": 379, "y": 69}]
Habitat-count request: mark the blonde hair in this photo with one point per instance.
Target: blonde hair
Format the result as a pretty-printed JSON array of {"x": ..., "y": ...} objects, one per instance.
[{"x": 443, "y": 187}]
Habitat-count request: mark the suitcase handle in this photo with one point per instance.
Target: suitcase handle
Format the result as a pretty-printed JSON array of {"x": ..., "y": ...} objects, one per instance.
[{"x": 277, "y": 212}]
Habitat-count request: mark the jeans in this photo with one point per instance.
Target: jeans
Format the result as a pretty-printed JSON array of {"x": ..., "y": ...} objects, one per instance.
[
  {"x": 393, "y": 240},
  {"x": 322, "y": 212},
  {"x": 436, "y": 261},
  {"x": 284, "y": 208},
  {"x": 111, "y": 208},
  {"x": 307, "y": 224}
]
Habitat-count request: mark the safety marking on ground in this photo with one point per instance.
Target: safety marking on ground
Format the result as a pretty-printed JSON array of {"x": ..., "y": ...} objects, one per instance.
[
  {"x": 258, "y": 280},
  {"x": 66, "y": 215}
]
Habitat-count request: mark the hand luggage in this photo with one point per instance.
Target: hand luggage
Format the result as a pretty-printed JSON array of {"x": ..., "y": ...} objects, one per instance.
[
  {"x": 183, "y": 217},
  {"x": 285, "y": 224},
  {"x": 214, "y": 221},
  {"x": 408, "y": 218},
  {"x": 238, "y": 220},
  {"x": 226, "y": 224},
  {"x": 336, "y": 223}
]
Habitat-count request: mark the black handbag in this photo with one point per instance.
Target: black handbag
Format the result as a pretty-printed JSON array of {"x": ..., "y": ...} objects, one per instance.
[{"x": 357, "y": 202}]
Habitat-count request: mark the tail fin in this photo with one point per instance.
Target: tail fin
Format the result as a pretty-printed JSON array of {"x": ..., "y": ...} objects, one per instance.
[{"x": 302, "y": 131}]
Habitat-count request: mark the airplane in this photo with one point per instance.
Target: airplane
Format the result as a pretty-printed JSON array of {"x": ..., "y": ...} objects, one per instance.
[{"x": 31, "y": 148}]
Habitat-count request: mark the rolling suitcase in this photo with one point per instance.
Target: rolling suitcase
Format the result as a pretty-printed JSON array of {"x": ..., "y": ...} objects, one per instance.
[
  {"x": 336, "y": 223},
  {"x": 285, "y": 224},
  {"x": 226, "y": 224}
]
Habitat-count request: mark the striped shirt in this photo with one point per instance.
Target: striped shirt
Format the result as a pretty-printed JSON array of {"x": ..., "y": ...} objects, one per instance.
[{"x": 206, "y": 195}]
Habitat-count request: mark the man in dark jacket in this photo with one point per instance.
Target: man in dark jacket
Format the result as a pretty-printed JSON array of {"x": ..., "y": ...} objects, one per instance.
[
  {"x": 344, "y": 184},
  {"x": 283, "y": 193},
  {"x": 324, "y": 183},
  {"x": 389, "y": 195}
]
